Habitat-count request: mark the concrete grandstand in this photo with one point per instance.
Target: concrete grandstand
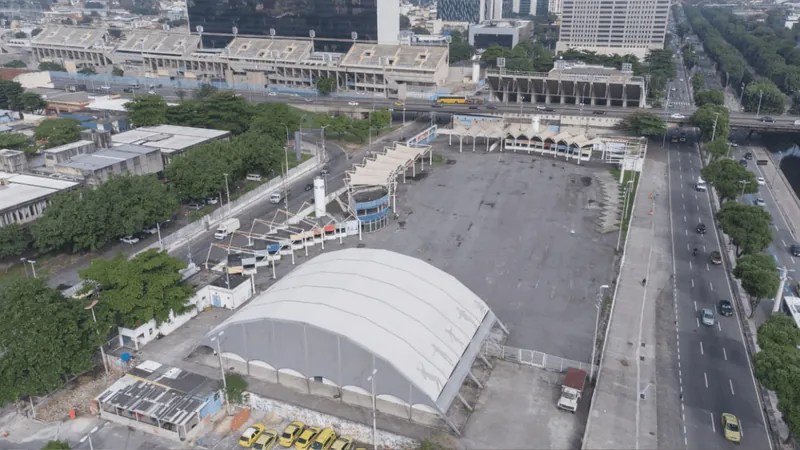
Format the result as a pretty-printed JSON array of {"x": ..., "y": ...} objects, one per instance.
[{"x": 346, "y": 316}]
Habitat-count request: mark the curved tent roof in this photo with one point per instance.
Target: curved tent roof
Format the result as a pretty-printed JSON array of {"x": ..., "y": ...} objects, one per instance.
[{"x": 344, "y": 313}]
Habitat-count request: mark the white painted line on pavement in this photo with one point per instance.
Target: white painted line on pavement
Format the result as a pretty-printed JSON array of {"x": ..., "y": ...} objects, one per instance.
[
  {"x": 776, "y": 227},
  {"x": 690, "y": 265},
  {"x": 681, "y": 175},
  {"x": 695, "y": 303},
  {"x": 731, "y": 383},
  {"x": 705, "y": 378},
  {"x": 684, "y": 207},
  {"x": 698, "y": 207},
  {"x": 682, "y": 195},
  {"x": 686, "y": 232},
  {"x": 713, "y": 426},
  {"x": 699, "y": 219},
  {"x": 687, "y": 247},
  {"x": 784, "y": 242},
  {"x": 719, "y": 326},
  {"x": 701, "y": 349},
  {"x": 684, "y": 218},
  {"x": 695, "y": 196},
  {"x": 711, "y": 285},
  {"x": 792, "y": 259},
  {"x": 695, "y": 310},
  {"x": 708, "y": 267},
  {"x": 724, "y": 353},
  {"x": 698, "y": 321},
  {"x": 704, "y": 249}
]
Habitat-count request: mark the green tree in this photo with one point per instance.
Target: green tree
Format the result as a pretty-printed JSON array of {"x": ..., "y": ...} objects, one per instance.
[
  {"x": 56, "y": 445},
  {"x": 15, "y": 64},
  {"x": 11, "y": 94},
  {"x": 718, "y": 149},
  {"x": 713, "y": 121},
  {"x": 32, "y": 103},
  {"x": 58, "y": 131},
  {"x": 226, "y": 111},
  {"x": 698, "y": 81},
  {"x": 326, "y": 86},
  {"x": 460, "y": 51},
  {"x": 117, "y": 72},
  {"x": 14, "y": 141},
  {"x": 200, "y": 173},
  {"x": 44, "y": 338},
  {"x": 87, "y": 70},
  {"x": 759, "y": 277},
  {"x": 643, "y": 123},
  {"x": 51, "y": 67},
  {"x": 705, "y": 97},
  {"x": 137, "y": 290},
  {"x": 420, "y": 31},
  {"x": 270, "y": 118},
  {"x": 380, "y": 119},
  {"x": 237, "y": 386},
  {"x": 255, "y": 152},
  {"x": 765, "y": 93},
  {"x": 204, "y": 91},
  {"x": 729, "y": 178},
  {"x": 13, "y": 240},
  {"x": 777, "y": 365},
  {"x": 405, "y": 23},
  {"x": 748, "y": 227},
  {"x": 147, "y": 110},
  {"x": 20, "y": 35}
]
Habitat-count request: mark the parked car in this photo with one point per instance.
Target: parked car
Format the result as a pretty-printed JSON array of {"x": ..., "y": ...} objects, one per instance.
[
  {"x": 250, "y": 435},
  {"x": 266, "y": 441},
  {"x": 306, "y": 438},
  {"x": 253, "y": 177},
  {"x": 195, "y": 206},
  {"x": 151, "y": 230},
  {"x": 129, "y": 240},
  {"x": 291, "y": 433},
  {"x": 212, "y": 200}
]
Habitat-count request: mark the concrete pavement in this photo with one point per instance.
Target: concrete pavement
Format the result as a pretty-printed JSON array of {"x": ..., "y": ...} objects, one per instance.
[{"x": 623, "y": 411}]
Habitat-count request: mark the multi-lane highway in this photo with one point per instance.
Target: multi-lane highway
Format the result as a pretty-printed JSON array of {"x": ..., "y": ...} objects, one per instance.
[
  {"x": 365, "y": 103},
  {"x": 714, "y": 370}
]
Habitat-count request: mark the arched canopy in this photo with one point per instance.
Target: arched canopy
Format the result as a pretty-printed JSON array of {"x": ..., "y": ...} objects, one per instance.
[{"x": 343, "y": 314}]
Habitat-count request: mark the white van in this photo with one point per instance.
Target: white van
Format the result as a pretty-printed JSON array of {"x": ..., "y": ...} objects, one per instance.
[
  {"x": 253, "y": 177},
  {"x": 276, "y": 197},
  {"x": 701, "y": 184}
]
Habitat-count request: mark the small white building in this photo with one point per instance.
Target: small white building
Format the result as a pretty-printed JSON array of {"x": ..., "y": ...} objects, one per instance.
[
  {"x": 228, "y": 292},
  {"x": 172, "y": 140}
]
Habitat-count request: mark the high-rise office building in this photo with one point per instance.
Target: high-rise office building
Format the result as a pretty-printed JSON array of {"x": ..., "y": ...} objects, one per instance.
[
  {"x": 472, "y": 11},
  {"x": 375, "y": 20},
  {"x": 613, "y": 26}
]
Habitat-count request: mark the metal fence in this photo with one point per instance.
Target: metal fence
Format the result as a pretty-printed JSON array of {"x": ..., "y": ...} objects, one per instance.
[{"x": 531, "y": 358}]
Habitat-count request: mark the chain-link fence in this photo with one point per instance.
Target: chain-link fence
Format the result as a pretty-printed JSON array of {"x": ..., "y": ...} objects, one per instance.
[{"x": 531, "y": 358}]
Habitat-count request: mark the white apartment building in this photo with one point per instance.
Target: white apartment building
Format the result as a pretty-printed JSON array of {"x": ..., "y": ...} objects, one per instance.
[{"x": 614, "y": 26}]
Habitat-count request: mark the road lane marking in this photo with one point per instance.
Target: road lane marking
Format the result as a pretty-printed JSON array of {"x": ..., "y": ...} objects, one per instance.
[
  {"x": 684, "y": 207},
  {"x": 792, "y": 259},
  {"x": 698, "y": 207},
  {"x": 690, "y": 265},
  {"x": 784, "y": 242},
  {"x": 684, "y": 218},
  {"x": 695, "y": 310},
  {"x": 776, "y": 227},
  {"x": 695, "y": 303},
  {"x": 698, "y": 321},
  {"x": 682, "y": 195},
  {"x": 731, "y": 383},
  {"x": 719, "y": 325},
  {"x": 695, "y": 196},
  {"x": 713, "y": 427},
  {"x": 711, "y": 285},
  {"x": 724, "y": 353},
  {"x": 704, "y": 249},
  {"x": 686, "y": 232},
  {"x": 705, "y": 377},
  {"x": 701, "y": 344},
  {"x": 708, "y": 267}
]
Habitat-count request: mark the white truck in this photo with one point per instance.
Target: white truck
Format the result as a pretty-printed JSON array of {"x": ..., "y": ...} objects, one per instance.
[
  {"x": 226, "y": 228},
  {"x": 572, "y": 389}
]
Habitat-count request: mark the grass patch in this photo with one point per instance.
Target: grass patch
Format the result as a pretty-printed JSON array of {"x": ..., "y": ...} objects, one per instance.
[
  {"x": 303, "y": 158},
  {"x": 437, "y": 159}
]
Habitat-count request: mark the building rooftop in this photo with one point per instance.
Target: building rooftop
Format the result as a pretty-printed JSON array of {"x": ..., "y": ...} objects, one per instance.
[
  {"x": 395, "y": 56},
  {"x": 234, "y": 279},
  {"x": 67, "y": 147},
  {"x": 255, "y": 49},
  {"x": 159, "y": 42},
  {"x": 19, "y": 189},
  {"x": 168, "y": 138},
  {"x": 167, "y": 393},
  {"x": 502, "y": 24},
  {"x": 74, "y": 37},
  {"x": 107, "y": 157}
]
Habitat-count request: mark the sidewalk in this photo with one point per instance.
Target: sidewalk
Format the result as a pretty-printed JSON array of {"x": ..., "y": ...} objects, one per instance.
[{"x": 620, "y": 417}]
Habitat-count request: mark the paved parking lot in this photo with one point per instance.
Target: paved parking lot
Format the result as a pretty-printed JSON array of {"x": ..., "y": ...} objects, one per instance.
[
  {"x": 520, "y": 232},
  {"x": 517, "y": 409}
]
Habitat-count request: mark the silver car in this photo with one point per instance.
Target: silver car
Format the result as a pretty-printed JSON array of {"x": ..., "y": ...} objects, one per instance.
[{"x": 707, "y": 316}]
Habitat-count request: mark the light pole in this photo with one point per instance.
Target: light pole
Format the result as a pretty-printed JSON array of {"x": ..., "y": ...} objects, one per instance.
[
  {"x": 218, "y": 339},
  {"x": 743, "y": 183},
  {"x": 760, "y": 96},
  {"x": 596, "y": 327},
  {"x": 779, "y": 295},
  {"x": 227, "y": 192},
  {"x": 89, "y": 437},
  {"x": 374, "y": 412},
  {"x": 741, "y": 96},
  {"x": 714, "y": 130},
  {"x": 322, "y": 133},
  {"x": 33, "y": 266},
  {"x": 286, "y": 173},
  {"x": 94, "y": 319},
  {"x": 25, "y": 266}
]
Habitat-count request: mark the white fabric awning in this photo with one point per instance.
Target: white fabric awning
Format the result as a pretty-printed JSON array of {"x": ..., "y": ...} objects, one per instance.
[{"x": 382, "y": 168}]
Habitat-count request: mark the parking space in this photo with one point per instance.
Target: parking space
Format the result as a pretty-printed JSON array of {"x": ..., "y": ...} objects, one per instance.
[
  {"x": 518, "y": 230},
  {"x": 517, "y": 409}
]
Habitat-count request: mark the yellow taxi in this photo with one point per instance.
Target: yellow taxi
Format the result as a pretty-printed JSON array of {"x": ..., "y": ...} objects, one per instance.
[
  {"x": 306, "y": 438},
  {"x": 730, "y": 428},
  {"x": 266, "y": 441},
  {"x": 343, "y": 443},
  {"x": 399, "y": 104},
  {"x": 291, "y": 433},
  {"x": 324, "y": 440},
  {"x": 251, "y": 434}
]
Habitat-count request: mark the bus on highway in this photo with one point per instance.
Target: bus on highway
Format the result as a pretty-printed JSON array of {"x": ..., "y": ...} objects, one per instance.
[{"x": 458, "y": 100}]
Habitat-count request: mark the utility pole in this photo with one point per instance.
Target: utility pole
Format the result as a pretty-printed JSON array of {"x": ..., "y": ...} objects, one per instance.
[
  {"x": 760, "y": 96},
  {"x": 228, "y": 192},
  {"x": 776, "y": 307},
  {"x": 714, "y": 131}
]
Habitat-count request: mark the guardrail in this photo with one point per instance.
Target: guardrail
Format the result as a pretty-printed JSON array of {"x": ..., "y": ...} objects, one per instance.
[{"x": 532, "y": 358}]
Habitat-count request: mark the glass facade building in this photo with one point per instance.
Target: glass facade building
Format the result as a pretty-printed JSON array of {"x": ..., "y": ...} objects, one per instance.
[{"x": 331, "y": 19}]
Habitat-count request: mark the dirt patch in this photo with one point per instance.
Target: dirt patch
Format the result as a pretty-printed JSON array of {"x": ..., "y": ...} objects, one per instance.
[{"x": 77, "y": 396}]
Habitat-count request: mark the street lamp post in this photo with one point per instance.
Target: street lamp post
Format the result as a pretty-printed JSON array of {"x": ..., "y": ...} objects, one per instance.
[
  {"x": 628, "y": 187},
  {"x": 227, "y": 192},
  {"x": 760, "y": 96},
  {"x": 741, "y": 96},
  {"x": 596, "y": 327},
  {"x": 374, "y": 412},
  {"x": 322, "y": 133},
  {"x": 218, "y": 339},
  {"x": 743, "y": 183},
  {"x": 33, "y": 266},
  {"x": 94, "y": 319},
  {"x": 25, "y": 266},
  {"x": 714, "y": 130},
  {"x": 286, "y": 173}
]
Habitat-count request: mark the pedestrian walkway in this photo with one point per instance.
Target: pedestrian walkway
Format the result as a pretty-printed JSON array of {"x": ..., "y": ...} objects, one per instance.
[
  {"x": 623, "y": 413},
  {"x": 681, "y": 103}
]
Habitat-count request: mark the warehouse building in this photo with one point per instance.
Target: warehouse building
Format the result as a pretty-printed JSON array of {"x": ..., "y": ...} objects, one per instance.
[
  {"x": 96, "y": 168},
  {"x": 23, "y": 198},
  {"x": 171, "y": 140}
]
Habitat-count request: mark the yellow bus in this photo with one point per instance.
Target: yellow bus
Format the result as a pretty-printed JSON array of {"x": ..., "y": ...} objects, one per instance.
[{"x": 451, "y": 100}]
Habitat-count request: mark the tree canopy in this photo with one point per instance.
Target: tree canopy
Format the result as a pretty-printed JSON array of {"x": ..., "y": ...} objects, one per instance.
[
  {"x": 326, "y": 86},
  {"x": 698, "y": 81},
  {"x": 777, "y": 365},
  {"x": 147, "y": 110},
  {"x": 719, "y": 148},
  {"x": 51, "y": 67},
  {"x": 729, "y": 178},
  {"x": 758, "y": 275},
  {"x": 713, "y": 121},
  {"x": 763, "y": 92},
  {"x": 706, "y": 97},
  {"x": 644, "y": 123},
  {"x": 44, "y": 338},
  {"x": 14, "y": 97},
  {"x": 747, "y": 225},
  {"x": 89, "y": 219},
  {"x": 58, "y": 131},
  {"x": 131, "y": 292},
  {"x": 13, "y": 240}
]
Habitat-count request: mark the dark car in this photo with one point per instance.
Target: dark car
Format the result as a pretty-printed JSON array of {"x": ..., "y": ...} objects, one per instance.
[
  {"x": 437, "y": 105},
  {"x": 725, "y": 308},
  {"x": 715, "y": 258},
  {"x": 325, "y": 170},
  {"x": 701, "y": 228},
  {"x": 309, "y": 186},
  {"x": 128, "y": 90},
  {"x": 473, "y": 106},
  {"x": 748, "y": 156},
  {"x": 794, "y": 249},
  {"x": 491, "y": 106},
  {"x": 599, "y": 113},
  {"x": 743, "y": 162},
  {"x": 768, "y": 119},
  {"x": 548, "y": 110}
]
